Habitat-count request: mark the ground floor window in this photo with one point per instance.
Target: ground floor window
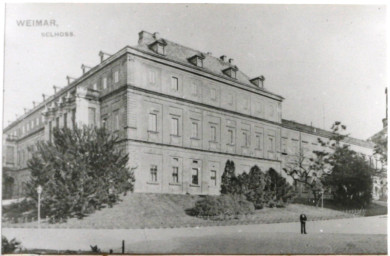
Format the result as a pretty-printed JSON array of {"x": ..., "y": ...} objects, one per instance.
[
  {"x": 175, "y": 174},
  {"x": 213, "y": 177},
  {"x": 153, "y": 173},
  {"x": 195, "y": 176}
]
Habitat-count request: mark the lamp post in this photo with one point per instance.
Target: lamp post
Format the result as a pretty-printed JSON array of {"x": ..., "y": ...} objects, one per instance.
[
  {"x": 322, "y": 198},
  {"x": 39, "y": 190}
]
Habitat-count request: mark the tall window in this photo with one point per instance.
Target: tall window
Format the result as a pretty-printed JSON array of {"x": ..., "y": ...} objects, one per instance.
[
  {"x": 74, "y": 117},
  {"x": 259, "y": 141},
  {"x": 10, "y": 155},
  {"x": 57, "y": 122},
  {"x": 152, "y": 122},
  {"x": 175, "y": 174},
  {"x": 104, "y": 83},
  {"x": 66, "y": 120},
  {"x": 213, "y": 177},
  {"x": 50, "y": 130},
  {"x": 152, "y": 77},
  {"x": 116, "y": 120},
  {"x": 116, "y": 76},
  {"x": 153, "y": 173},
  {"x": 175, "y": 126},
  {"x": 194, "y": 89},
  {"x": 271, "y": 144},
  {"x": 231, "y": 137},
  {"x": 174, "y": 84},
  {"x": 194, "y": 130},
  {"x": 213, "y": 133},
  {"x": 92, "y": 116},
  {"x": 195, "y": 176},
  {"x": 213, "y": 93},
  {"x": 246, "y": 138},
  {"x": 94, "y": 86}
]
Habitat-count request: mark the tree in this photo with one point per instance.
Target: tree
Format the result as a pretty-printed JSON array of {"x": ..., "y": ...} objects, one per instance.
[
  {"x": 9, "y": 246},
  {"x": 278, "y": 187},
  {"x": 229, "y": 181},
  {"x": 346, "y": 172},
  {"x": 252, "y": 186},
  {"x": 80, "y": 171},
  {"x": 298, "y": 168}
]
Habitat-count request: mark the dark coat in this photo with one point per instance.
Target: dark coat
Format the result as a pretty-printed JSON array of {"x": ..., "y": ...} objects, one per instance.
[{"x": 303, "y": 218}]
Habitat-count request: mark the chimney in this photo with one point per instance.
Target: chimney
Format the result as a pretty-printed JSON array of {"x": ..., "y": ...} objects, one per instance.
[
  {"x": 44, "y": 97},
  {"x": 101, "y": 54},
  {"x": 223, "y": 58},
  {"x": 34, "y": 104},
  {"x": 55, "y": 89},
  {"x": 156, "y": 35},
  {"x": 25, "y": 110},
  {"x": 209, "y": 53}
]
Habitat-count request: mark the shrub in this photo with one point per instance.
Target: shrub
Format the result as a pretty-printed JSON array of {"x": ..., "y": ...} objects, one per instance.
[
  {"x": 9, "y": 246},
  {"x": 226, "y": 205}
]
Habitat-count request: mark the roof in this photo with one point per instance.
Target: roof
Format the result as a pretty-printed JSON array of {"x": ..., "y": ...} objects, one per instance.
[
  {"x": 323, "y": 133},
  {"x": 179, "y": 53}
]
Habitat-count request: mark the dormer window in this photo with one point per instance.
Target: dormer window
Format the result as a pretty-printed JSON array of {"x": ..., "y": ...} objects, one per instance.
[
  {"x": 258, "y": 81},
  {"x": 158, "y": 46},
  {"x": 197, "y": 60},
  {"x": 231, "y": 72}
]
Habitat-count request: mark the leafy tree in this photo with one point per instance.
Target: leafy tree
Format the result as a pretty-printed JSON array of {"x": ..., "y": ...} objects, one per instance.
[
  {"x": 381, "y": 151},
  {"x": 346, "y": 172},
  {"x": 278, "y": 187},
  {"x": 80, "y": 171},
  {"x": 298, "y": 168}
]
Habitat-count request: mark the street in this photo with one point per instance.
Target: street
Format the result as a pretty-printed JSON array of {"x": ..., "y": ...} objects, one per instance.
[{"x": 364, "y": 234}]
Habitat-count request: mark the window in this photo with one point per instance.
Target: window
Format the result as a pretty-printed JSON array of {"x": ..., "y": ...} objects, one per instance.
[
  {"x": 74, "y": 117},
  {"x": 10, "y": 155},
  {"x": 213, "y": 93},
  {"x": 230, "y": 99},
  {"x": 231, "y": 136},
  {"x": 152, "y": 77},
  {"x": 174, "y": 84},
  {"x": 91, "y": 116},
  {"x": 116, "y": 120},
  {"x": 213, "y": 177},
  {"x": 160, "y": 48},
  {"x": 104, "y": 122},
  {"x": 194, "y": 89},
  {"x": 259, "y": 141},
  {"x": 50, "y": 130},
  {"x": 175, "y": 174},
  {"x": 246, "y": 138},
  {"x": 116, "y": 77},
  {"x": 65, "y": 120},
  {"x": 104, "y": 83},
  {"x": 213, "y": 133},
  {"x": 175, "y": 126},
  {"x": 57, "y": 122},
  {"x": 175, "y": 170},
  {"x": 284, "y": 145},
  {"x": 271, "y": 144},
  {"x": 194, "y": 133},
  {"x": 152, "y": 122},
  {"x": 153, "y": 173},
  {"x": 94, "y": 86},
  {"x": 195, "y": 176}
]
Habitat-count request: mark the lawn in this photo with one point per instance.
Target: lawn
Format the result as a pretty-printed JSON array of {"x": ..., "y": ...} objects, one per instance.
[{"x": 166, "y": 210}]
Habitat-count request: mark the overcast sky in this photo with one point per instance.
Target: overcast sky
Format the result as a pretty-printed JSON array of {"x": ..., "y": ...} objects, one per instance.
[{"x": 327, "y": 61}]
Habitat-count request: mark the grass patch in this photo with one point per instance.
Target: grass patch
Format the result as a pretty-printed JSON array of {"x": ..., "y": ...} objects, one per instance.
[{"x": 138, "y": 210}]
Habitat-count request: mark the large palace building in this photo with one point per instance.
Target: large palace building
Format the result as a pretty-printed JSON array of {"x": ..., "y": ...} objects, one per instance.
[{"x": 181, "y": 114}]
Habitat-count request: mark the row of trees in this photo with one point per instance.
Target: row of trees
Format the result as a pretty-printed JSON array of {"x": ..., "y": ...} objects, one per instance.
[
  {"x": 260, "y": 188},
  {"x": 335, "y": 167}
]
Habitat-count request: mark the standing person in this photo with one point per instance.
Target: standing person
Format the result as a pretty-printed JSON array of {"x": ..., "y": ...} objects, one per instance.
[{"x": 303, "y": 219}]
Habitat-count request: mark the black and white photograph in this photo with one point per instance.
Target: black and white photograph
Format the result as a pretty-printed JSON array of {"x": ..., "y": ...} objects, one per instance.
[{"x": 194, "y": 128}]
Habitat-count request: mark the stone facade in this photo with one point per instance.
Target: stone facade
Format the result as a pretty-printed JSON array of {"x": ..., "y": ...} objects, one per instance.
[{"x": 181, "y": 114}]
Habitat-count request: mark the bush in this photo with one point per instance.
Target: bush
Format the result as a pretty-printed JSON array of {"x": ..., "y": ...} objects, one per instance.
[
  {"x": 226, "y": 205},
  {"x": 9, "y": 246},
  {"x": 25, "y": 208}
]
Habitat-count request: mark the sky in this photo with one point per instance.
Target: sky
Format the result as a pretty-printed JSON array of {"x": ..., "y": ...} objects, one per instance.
[{"x": 327, "y": 61}]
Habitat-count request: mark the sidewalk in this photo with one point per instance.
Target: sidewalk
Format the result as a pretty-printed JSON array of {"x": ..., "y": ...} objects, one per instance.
[{"x": 81, "y": 239}]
